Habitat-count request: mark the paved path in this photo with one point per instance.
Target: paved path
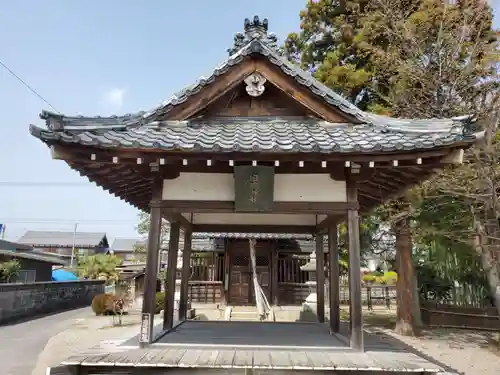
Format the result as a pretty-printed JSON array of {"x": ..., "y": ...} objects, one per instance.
[{"x": 20, "y": 344}]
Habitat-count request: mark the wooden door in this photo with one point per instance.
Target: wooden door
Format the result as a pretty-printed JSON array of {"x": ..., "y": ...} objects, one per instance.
[{"x": 241, "y": 285}]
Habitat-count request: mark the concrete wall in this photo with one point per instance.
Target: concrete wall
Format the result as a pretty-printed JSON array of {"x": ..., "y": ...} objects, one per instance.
[{"x": 18, "y": 301}]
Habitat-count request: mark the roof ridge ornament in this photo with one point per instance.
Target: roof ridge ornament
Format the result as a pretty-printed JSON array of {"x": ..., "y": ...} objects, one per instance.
[
  {"x": 255, "y": 29},
  {"x": 255, "y": 84}
]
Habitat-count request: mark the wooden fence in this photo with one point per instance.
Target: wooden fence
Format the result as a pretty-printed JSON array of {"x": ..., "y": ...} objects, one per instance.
[
  {"x": 206, "y": 291},
  {"x": 439, "y": 315}
]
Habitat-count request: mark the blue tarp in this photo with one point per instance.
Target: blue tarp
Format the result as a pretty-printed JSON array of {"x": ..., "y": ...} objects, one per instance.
[{"x": 62, "y": 275}]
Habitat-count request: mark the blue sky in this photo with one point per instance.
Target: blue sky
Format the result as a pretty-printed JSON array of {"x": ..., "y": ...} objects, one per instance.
[{"x": 100, "y": 58}]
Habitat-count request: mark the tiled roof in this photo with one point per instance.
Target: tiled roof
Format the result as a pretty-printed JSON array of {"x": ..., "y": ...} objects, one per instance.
[
  {"x": 8, "y": 245},
  {"x": 251, "y": 235},
  {"x": 32, "y": 255},
  {"x": 142, "y": 130},
  {"x": 56, "y": 238},
  {"x": 126, "y": 244},
  {"x": 264, "y": 135}
]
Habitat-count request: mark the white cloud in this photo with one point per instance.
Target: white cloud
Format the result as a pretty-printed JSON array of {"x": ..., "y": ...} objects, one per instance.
[{"x": 113, "y": 99}]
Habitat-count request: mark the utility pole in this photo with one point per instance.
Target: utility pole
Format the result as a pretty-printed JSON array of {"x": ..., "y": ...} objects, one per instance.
[{"x": 73, "y": 247}]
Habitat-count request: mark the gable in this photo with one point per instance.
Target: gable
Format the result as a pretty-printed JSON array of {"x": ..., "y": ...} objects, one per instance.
[
  {"x": 227, "y": 95},
  {"x": 271, "y": 103}
]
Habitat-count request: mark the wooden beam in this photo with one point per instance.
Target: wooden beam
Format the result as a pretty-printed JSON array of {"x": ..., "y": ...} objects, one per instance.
[
  {"x": 177, "y": 217},
  {"x": 173, "y": 248},
  {"x": 240, "y": 228},
  {"x": 185, "y": 273},
  {"x": 210, "y": 93},
  {"x": 320, "y": 279},
  {"x": 355, "y": 301},
  {"x": 174, "y": 206},
  {"x": 301, "y": 94},
  {"x": 334, "y": 273},
  {"x": 148, "y": 304},
  {"x": 327, "y": 222},
  {"x": 142, "y": 158}
]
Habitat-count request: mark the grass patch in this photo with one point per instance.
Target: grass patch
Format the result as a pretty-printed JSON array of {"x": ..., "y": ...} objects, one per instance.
[{"x": 379, "y": 319}]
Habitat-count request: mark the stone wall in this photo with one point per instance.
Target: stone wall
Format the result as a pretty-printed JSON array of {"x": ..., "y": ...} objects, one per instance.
[{"x": 18, "y": 301}]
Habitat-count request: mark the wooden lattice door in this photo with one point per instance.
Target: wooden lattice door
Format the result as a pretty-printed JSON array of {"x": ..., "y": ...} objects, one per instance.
[
  {"x": 240, "y": 280},
  {"x": 241, "y": 286}
]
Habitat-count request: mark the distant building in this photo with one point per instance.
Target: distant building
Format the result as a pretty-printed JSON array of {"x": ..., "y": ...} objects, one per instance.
[
  {"x": 61, "y": 243},
  {"x": 125, "y": 248},
  {"x": 35, "y": 266}
]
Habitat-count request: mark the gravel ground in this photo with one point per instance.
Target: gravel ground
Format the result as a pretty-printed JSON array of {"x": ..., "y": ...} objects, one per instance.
[{"x": 464, "y": 351}]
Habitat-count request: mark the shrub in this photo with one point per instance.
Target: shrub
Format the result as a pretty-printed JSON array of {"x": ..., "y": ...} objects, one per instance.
[
  {"x": 105, "y": 304},
  {"x": 391, "y": 277},
  {"x": 367, "y": 278},
  {"x": 9, "y": 270},
  {"x": 159, "y": 302}
]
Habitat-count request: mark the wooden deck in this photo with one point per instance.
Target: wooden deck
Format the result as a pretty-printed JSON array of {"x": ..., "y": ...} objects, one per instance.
[{"x": 207, "y": 346}]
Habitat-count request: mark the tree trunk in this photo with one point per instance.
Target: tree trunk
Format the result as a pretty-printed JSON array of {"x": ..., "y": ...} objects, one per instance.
[
  {"x": 417, "y": 314},
  {"x": 489, "y": 261},
  {"x": 493, "y": 277},
  {"x": 405, "y": 283}
]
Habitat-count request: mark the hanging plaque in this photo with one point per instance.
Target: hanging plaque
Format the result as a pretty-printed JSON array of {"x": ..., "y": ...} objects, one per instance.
[{"x": 253, "y": 189}]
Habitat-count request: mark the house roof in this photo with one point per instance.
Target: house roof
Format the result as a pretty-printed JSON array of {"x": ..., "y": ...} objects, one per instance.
[
  {"x": 7, "y": 245},
  {"x": 32, "y": 255},
  {"x": 366, "y": 132},
  {"x": 62, "y": 239},
  {"x": 126, "y": 244}
]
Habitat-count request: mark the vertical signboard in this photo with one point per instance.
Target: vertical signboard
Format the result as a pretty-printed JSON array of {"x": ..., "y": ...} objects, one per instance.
[{"x": 145, "y": 336}]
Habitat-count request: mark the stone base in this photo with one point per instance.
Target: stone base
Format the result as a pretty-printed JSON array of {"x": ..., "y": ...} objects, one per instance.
[
  {"x": 190, "y": 314},
  {"x": 312, "y": 299}
]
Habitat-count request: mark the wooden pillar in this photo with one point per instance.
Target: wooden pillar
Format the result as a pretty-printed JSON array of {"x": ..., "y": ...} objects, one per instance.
[
  {"x": 151, "y": 274},
  {"x": 274, "y": 277},
  {"x": 186, "y": 267},
  {"x": 227, "y": 272},
  {"x": 333, "y": 254},
  {"x": 355, "y": 302},
  {"x": 173, "y": 248},
  {"x": 320, "y": 278}
]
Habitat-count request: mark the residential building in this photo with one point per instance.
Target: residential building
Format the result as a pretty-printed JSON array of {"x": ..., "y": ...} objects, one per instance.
[
  {"x": 35, "y": 266},
  {"x": 61, "y": 243},
  {"x": 125, "y": 248}
]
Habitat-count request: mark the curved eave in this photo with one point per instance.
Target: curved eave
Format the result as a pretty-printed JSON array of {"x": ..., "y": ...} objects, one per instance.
[
  {"x": 291, "y": 141},
  {"x": 120, "y": 181}
]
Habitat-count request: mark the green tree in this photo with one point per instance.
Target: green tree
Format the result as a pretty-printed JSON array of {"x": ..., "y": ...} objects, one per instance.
[
  {"x": 99, "y": 267},
  {"x": 143, "y": 230},
  {"x": 425, "y": 58},
  {"x": 9, "y": 270}
]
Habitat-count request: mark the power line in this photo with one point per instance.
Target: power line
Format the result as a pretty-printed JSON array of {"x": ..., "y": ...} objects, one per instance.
[
  {"x": 42, "y": 184},
  {"x": 27, "y": 85},
  {"x": 65, "y": 221}
]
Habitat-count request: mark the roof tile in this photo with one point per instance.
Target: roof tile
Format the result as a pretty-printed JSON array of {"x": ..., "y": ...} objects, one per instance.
[{"x": 278, "y": 135}]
